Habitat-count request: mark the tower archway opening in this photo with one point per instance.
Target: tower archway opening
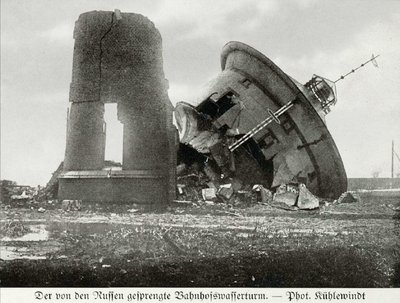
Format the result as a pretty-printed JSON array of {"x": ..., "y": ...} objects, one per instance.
[{"x": 114, "y": 138}]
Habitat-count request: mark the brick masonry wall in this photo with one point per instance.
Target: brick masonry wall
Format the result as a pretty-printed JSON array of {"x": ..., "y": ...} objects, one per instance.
[{"x": 118, "y": 59}]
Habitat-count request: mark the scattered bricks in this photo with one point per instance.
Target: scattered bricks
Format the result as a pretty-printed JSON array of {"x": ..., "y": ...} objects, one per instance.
[
  {"x": 180, "y": 188},
  {"x": 211, "y": 185},
  {"x": 306, "y": 199},
  {"x": 286, "y": 194},
  {"x": 71, "y": 205},
  {"x": 348, "y": 197},
  {"x": 41, "y": 210},
  {"x": 236, "y": 185},
  {"x": 266, "y": 195},
  {"x": 210, "y": 172},
  {"x": 208, "y": 193},
  {"x": 294, "y": 188},
  {"x": 326, "y": 203},
  {"x": 288, "y": 198},
  {"x": 78, "y": 205},
  {"x": 65, "y": 204},
  {"x": 228, "y": 185},
  {"x": 392, "y": 207},
  {"x": 256, "y": 187},
  {"x": 281, "y": 189},
  {"x": 291, "y": 187},
  {"x": 225, "y": 191},
  {"x": 192, "y": 193},
  {"x": 245, "y": 197}
]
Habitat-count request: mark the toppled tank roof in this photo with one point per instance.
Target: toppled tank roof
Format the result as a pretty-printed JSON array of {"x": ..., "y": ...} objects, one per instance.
[{"x": 256, "y": 123}]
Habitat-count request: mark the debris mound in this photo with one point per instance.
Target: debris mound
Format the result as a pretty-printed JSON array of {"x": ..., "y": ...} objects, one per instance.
[
  {"x": 348, "y": 197},
  {"x": 198, "y": 183}
]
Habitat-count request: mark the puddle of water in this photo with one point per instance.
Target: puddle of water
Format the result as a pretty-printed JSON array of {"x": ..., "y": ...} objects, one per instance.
[
  {"x": 37, "y": 233},
  {"x": 42, "y": 239},
  {"x": 11, "y": 253}
]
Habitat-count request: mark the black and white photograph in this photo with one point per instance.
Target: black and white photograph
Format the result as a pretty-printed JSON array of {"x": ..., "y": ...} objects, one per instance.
[{"x": 181, "y": 144}]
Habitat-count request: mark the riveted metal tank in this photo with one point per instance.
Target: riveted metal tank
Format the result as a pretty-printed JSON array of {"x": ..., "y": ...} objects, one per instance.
[{"x": 293, "y": 144}]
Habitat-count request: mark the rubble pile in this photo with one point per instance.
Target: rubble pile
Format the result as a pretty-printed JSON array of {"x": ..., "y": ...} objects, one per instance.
[
  {"x": 296, "y": 196},
  {"x": 52, "y": 186},
  {"x": 12, "y": 192},
  {"x": 15, "y": 195},
  {"x": 348, "y": 197},
  {"x": 194, "y": 185}
]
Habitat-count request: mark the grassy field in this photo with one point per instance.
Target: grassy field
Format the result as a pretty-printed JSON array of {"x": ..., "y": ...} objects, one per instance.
[{"x": 339, "y": 245}]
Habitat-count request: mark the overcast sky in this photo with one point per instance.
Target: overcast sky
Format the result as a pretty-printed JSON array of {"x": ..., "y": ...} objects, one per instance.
[{"x": 303, "y": 37}]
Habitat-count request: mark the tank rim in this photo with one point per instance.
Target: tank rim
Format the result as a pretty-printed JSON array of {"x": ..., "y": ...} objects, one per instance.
[{"x": 240, "y": 46}]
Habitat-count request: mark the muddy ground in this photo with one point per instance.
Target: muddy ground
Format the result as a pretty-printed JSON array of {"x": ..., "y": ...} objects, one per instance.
[{"x": 339, "y": 245}]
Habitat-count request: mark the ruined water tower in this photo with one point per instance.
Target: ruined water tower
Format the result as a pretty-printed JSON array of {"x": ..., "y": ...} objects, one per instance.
[{"x": 118, "y": 59}]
